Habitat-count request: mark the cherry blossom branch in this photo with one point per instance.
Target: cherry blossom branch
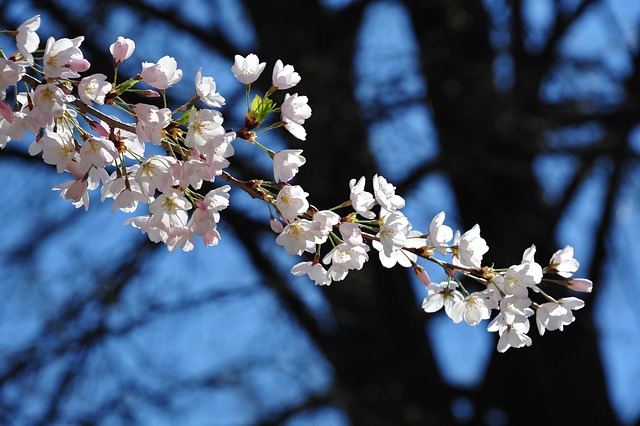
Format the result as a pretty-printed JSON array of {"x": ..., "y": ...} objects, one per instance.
[
  {"x": 197, "y": 149},
  {"x": 111, "y": 121},
  {"x": 251, "y": 187},
  {"x": 86, "y": 109}
]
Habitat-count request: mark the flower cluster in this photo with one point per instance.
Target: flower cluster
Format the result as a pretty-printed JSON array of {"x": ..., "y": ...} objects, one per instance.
[
  {"x": 376, "y": 218},
  {"x": 169, "y": 159},
  {"x": 100, "y": 151},
  {"x": 508, "y": 291}
]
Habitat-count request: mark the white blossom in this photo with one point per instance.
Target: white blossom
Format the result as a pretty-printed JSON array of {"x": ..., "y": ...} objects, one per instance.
[
  {"x": 563, "y": 263},
  {"x": 206, "y": 90},
  {"x": 351, "y": 233},
  {"x": 299, "y": 236},
  {"x": 205, "y": 126},
  {"x": 471, "y": 248},
  {"x": 345, "y": 257},
  {"x": 295, "y": 129},
  {"x": 440, "y": 295},
  {"x": 100, "y": 152},
  {"x": 393, "y": 233},
  {"x": 284, "y": 76},
  {"x": 10, "y": 73},
  {"x": 94, "y": 88},
  {"x": 57, "y": 149},
  {"x": 125, "y": 191},
  {"x": 554, "y": 316},
  {"x": 315, "y": 271},
  {"x": 440, "y": 235},
  {"x": 512, "y": 323},
  {"x": 361, "y": 200},
  {"x": 385, "y": 194},
  {"x": 286, "y": 164},
  {"x": 325, "y": 220},
  {"x": 295, "y": 108},
  {"x": 247, "y": 70},
  {"x": 151, "y": 122},
  {"x": 158, "y": 172},
  {"x": 161, "y": 75},
  {"x": 27, "y": 40},
  {"x": 292, "y": 201},
  {"x": 474, "y": 308},
  {"x": 63, "y": 58},
  {"x": 582, "y": 285}
]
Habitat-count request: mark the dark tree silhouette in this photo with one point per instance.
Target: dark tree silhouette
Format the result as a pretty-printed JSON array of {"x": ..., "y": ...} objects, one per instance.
[{"x": 492, "y": 125}]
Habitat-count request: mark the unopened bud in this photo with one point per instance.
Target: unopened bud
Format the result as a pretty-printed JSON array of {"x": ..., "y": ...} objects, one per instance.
[
  {"x": 276, "y": 225},
  {"x": 97, "y": 127},
  {"x": 79, "y": 65},
  {"x": 582, "y": 285},
  {"x": 6, "y": 112},
  {"x": 150, "y": 93},
  {"x": 421, "y": 274},
  {"x": 122, "y": 49}
]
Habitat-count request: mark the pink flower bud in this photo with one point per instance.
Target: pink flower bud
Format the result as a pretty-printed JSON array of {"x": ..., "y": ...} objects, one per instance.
[
  {"x": 74, "y": 168},
  {"x": 582, "y": 285},
  {"x": 276, "y": 225},
  {"x": 76, "y": 190},
  {"x": 422, "y": 275},
  {"x": 122, "y": 49},
  {"x": 6, "y": 112},
  {"x": 79, "y": 64},
  {"x": 150, "y": 93},
  {"x": 97, "y": 127}
]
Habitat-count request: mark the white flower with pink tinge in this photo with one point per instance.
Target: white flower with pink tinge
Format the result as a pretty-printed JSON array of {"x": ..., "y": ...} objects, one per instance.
[
  {"x": 158, "y": 172},
  {"x": 151, "y": 121},
  {"x": 205, "y": 126},
  {"x": 345, "y": 257},
  {"x": 63, "y": 58},
  {"x": 161, "y": 75},
  {"x": 295, "y": 111},
  {"x": 94, "y": 88},
  {"x": 124, "y": 190}
]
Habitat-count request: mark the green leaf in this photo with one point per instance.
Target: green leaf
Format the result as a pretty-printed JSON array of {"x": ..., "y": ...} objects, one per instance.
[
  {"x": 125, "y": 86},
  {"x": 262, "y": 107},
  {"x": 256, "y": 103},
  {"x": 184, "y": 118}
]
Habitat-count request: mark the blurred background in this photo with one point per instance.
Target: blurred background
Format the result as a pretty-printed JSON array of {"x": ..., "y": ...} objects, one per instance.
[{"x": 519, "y": 115}]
